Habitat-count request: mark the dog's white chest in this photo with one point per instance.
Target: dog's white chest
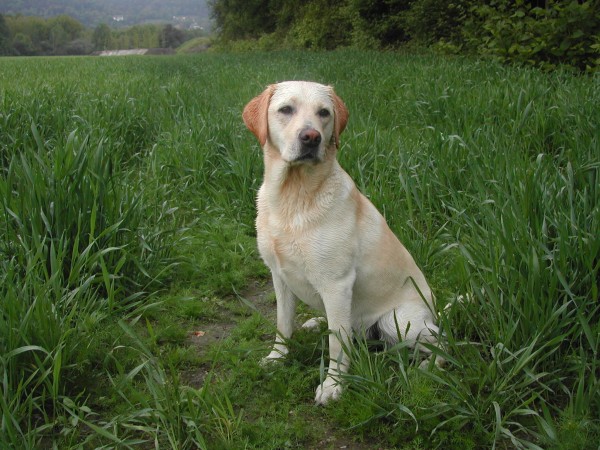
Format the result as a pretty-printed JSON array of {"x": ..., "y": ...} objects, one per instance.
[
  {"x": 302, "y": 288},
  {"x": 290, "y": 259}
]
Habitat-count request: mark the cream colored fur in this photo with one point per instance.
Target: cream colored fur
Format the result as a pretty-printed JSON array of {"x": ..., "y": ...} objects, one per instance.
[{"x": 325, "y": 243}]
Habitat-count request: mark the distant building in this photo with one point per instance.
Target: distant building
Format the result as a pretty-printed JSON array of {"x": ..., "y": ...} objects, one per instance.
[
  {"x": 118, "y": 18},
  {"x": 133, "y": 51},
  {"x": 136, "y": 51}
]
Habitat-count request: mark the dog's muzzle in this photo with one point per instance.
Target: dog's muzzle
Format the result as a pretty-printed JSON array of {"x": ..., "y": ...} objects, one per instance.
[{"x": 309, "y": 144}]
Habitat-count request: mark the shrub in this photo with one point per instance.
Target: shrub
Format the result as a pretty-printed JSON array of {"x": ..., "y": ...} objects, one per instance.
[
  {"x": 313, "y": 29},
  {"x": 379, "y": 22},
  {"x": 432, "y": 21},
  {"x": 561, "y": 33}
]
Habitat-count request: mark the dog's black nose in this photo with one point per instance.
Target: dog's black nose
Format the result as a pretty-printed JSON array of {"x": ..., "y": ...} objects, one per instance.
[{"x": 310, "y": 137}]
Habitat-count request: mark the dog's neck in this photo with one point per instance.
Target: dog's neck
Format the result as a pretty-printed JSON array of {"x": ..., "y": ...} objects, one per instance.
[
  {"x": 300, "y": 189},
  {"x": 307, "y": 173}
]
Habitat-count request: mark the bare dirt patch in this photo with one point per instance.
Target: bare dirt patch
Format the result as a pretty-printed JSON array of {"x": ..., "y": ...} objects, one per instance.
[{"x": 257, "y": 296}]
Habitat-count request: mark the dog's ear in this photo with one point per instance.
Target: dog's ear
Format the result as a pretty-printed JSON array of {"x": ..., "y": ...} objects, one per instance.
[
  {"x": 255, "y": 114},
  {"x": 340, "y": 117}
]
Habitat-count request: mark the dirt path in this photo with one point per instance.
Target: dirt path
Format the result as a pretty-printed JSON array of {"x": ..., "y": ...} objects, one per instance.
[{"x": 258, "y": 296}]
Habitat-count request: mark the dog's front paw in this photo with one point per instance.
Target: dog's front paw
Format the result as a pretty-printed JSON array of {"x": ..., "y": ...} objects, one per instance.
[
  {"x": 276, "y": 356},
  {"x": 330, "y": 389}
]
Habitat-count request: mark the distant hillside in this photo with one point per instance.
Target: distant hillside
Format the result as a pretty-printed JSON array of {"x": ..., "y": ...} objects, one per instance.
[{"x": 114, "y": 12}]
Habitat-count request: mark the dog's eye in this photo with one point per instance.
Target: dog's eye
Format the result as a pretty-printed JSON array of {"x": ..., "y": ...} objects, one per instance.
[
  {"x": 287, "y": 110},
  {"x": 324, "y": 113}
]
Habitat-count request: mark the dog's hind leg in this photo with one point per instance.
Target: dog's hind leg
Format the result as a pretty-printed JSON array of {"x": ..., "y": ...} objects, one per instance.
[{"x": 413, "y": 324}]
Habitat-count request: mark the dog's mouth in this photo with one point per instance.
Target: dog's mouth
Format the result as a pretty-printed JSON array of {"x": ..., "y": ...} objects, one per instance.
[
  {"x": 304, "y": 154},
  {"x": 307, "y": 157},
  {"x": 308, "y": 154}
]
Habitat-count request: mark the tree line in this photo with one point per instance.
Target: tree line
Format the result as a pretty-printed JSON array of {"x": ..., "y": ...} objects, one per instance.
[
  {"x": 546, "y": 33},
  {"x": 63, "y": 35}
]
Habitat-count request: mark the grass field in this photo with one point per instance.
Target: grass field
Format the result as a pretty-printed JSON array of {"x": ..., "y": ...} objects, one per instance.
[{"x": 127, "y": 196}]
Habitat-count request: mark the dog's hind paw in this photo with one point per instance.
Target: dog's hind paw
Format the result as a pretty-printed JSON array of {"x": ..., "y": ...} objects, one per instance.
[
  {"x": 314, "y": 324},
  {"x": 330, "y": 389},
  {"x": 438, "y": 362}
]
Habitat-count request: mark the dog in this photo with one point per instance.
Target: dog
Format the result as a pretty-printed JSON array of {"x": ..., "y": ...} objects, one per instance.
[{"x": 324, "y": 242}]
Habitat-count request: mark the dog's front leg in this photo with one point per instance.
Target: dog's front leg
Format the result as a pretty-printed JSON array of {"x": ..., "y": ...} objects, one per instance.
[
  {"x": 338, "y": 309},
  {"x": 286, "y": 309}
]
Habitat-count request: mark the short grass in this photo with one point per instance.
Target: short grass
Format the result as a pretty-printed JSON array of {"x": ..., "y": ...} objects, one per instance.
[
  {"x": 195, "y": 45},
  {"x": 127, "y": 194}
]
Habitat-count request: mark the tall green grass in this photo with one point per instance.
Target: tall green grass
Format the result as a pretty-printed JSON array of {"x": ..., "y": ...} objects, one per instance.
[
  {"x": 129, "y": 182},
  {"x": 85, "y": 238}
]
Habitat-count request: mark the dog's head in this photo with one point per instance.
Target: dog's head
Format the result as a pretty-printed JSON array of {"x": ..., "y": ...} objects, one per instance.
[{"x": 300, "y": 119}]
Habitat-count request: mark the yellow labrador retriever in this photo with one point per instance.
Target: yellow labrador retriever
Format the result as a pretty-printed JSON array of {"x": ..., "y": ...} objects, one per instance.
[{"x": 325, "y": 243}]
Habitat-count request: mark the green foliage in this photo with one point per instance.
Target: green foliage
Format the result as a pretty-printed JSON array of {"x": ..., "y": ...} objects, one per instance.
[
  {"x": 28, "y": 34},
  {"x": 102, "y": 37},
  {"x": 23, "y": 45},
  {"x": 4, "y": 37},
  {"x": 563, "y": 32},
  {"x": 242, "y": 19},
  {"x": 33, "y": 35},
  {"x": 380, "y": 22},
  {"x": 195, "y": 45},
  {"x": 63, "y": 35},
  {"x": 433, "y": 21},
  {"x": 315, "y": 30},
  {"x": 137, "y": 36},
  {"x": 171, "y": 37}
]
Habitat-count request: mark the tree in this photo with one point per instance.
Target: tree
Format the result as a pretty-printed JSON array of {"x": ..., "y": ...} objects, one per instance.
[
  {"x": 23, "y": 45},
  {"x": 171, "y": 37},
  {"x": 313, "y": 29},
  {"x": 73, "y": 29},
  {"x": 102, "y": 37},
  {"x": 36, "y": 31},
  {"x": 243, "y": 19},
  {"x": 81, "y": 46},
  {"x": 5, "y": 47},
  {"x": 381, "y": 22},
  {"x": 58, "y": 38}
]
